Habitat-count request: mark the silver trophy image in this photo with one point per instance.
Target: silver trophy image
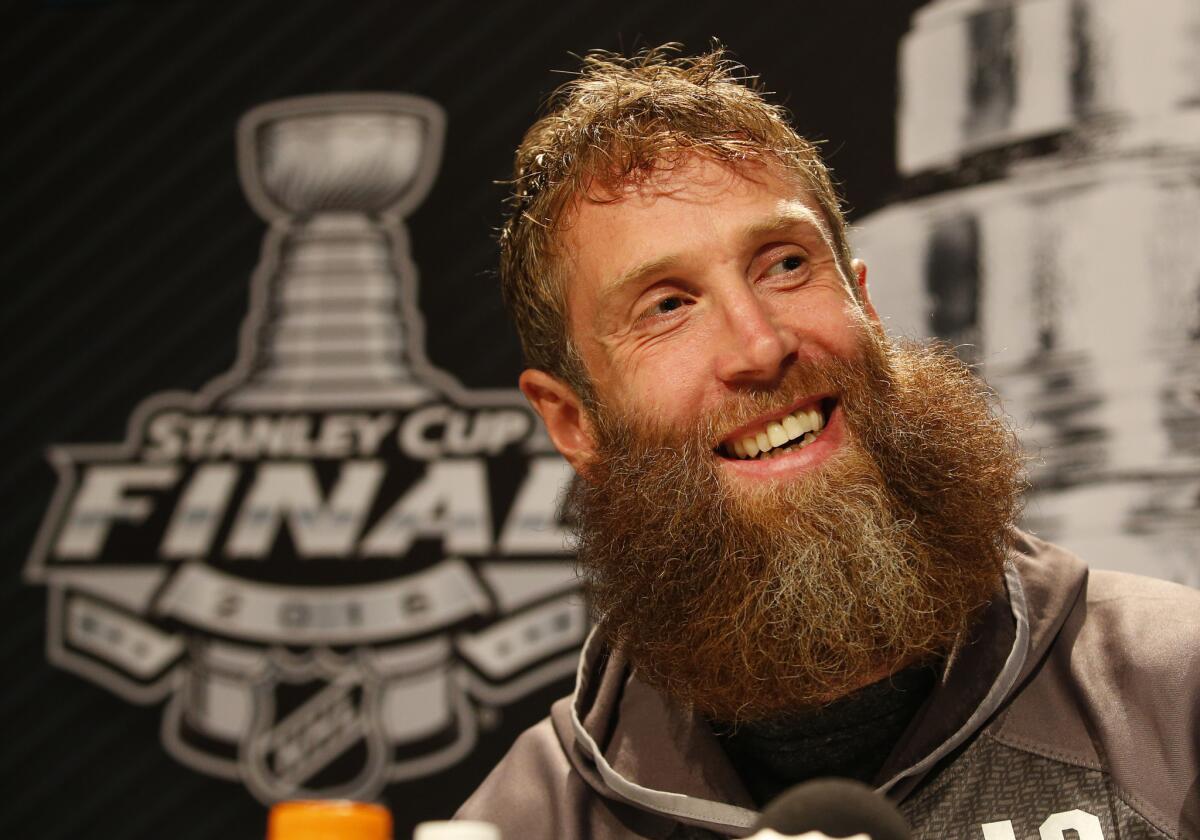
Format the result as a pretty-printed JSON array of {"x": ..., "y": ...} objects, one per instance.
[{"x": 334, "y": 177}]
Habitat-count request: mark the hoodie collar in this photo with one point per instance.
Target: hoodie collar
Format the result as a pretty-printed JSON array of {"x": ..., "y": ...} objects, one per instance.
[{"x": 654, "y": 755}]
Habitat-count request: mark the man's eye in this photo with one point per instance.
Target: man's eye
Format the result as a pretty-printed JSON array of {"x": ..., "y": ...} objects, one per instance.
[
  {"x": 785, "y": 266},
  {"x": 665, "y": 306}
]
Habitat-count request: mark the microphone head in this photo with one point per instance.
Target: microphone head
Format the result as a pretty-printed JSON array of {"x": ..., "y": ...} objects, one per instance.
[{"x": 835, "y": 807}]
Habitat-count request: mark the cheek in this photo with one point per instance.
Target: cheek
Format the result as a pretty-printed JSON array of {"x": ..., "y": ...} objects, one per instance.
[
  {"x": 828, "y": 324},
  {"x": 670, "y": 379}
]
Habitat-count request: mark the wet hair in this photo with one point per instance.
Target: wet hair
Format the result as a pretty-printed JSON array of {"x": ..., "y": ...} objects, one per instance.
[{"x": 619, "y": 120}]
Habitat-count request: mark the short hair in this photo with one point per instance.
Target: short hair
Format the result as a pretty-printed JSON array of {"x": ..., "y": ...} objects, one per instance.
[{"x": 618, "y": 120}]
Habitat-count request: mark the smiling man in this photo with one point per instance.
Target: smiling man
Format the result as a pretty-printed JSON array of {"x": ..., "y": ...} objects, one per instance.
[{"x": 797, "y": 535}]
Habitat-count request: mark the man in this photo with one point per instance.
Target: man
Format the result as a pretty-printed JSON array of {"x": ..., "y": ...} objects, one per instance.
[{"x": 797, "y": 535}]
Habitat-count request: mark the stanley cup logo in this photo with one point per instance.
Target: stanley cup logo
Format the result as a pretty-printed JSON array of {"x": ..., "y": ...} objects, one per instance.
[
  {"x": 335, "y": 179},
  {"x": 331, "y": 559}
]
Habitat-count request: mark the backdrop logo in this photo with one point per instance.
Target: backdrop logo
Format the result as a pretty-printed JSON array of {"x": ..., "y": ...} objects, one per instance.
[{"x": 329, "y": 560}]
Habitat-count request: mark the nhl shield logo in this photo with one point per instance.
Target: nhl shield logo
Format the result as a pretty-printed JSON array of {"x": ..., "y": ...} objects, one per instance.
[
  {"x": 316, "y": 730},
  {"x": 329, "y": 560}
]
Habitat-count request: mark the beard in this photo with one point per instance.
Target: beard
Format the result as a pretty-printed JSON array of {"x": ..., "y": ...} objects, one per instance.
[{"x": 748, "y": 602}]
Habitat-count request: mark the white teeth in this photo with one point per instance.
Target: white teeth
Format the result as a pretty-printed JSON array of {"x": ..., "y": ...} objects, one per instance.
[
  {"x": 803, "y": 422},
  {"x": 793, "y": 427},
  {"x": 776, "y": 434},
  {"x": 803, "y": 426}
]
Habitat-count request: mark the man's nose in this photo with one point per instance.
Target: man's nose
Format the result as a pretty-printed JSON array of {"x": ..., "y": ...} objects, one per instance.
[{"x": 756, "y": 347}]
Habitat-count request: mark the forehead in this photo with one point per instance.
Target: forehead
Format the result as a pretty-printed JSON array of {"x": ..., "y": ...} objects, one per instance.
[{"x": 693, "y": 207}]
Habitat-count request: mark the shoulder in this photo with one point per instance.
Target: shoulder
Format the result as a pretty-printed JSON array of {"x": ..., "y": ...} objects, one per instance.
[
  {"x": 1140, "y": 629},
  {"x": 1129, "y": 646},
  {"x": 1117, "y": 594},
  {"x": 527, "y": 785},
  {"x": 1117, "y": 690},
  {"x": 1105, "y": 619},
  {"x": 543, "y": 790}
]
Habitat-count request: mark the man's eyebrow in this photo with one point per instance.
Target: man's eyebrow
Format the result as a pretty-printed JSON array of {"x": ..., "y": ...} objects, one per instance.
[
  {"x": 639, "y": 273},
  {"x": 791, "y": 215}
]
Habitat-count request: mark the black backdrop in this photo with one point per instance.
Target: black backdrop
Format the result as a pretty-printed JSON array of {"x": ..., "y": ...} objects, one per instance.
[{"x": 128, "y": 245}]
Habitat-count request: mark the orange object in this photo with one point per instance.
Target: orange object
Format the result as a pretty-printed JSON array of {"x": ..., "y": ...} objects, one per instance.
[{"x": 330, "y": 819}]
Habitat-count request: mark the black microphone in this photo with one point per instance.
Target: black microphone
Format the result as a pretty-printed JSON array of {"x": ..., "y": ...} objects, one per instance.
[{"x": 835, "y": 808}]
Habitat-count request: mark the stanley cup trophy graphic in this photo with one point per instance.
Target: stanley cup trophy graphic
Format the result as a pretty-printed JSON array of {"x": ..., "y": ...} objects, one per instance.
[
  {"x": 1051, "y": 154},
  {"x": 335, "y": 183},
  {"x": 332, "y": 562}
]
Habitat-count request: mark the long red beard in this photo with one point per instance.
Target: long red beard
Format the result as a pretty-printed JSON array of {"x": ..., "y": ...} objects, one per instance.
[{"x": 748, "y": 603}]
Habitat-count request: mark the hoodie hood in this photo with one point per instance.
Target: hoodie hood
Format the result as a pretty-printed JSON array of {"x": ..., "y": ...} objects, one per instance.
[{"x": 630, "y": 744}]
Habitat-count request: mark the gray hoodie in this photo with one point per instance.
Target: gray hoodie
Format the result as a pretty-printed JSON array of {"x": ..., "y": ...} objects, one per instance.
[{"x": 1076, "y": 706}]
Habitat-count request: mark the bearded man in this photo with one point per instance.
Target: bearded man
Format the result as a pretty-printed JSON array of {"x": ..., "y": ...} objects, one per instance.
[{"x": 797, "y": 534}]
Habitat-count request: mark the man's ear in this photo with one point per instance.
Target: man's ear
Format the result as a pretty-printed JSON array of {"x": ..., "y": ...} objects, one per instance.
[
  {"x": 562, "y": 411},
  {"x": 860, "y": 283}
]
